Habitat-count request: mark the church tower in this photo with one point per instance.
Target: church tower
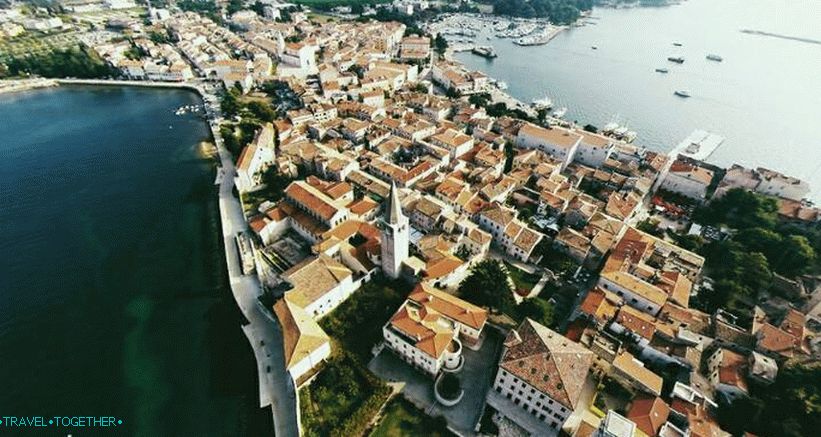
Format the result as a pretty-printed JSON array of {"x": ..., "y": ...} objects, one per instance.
[{"x": 395, "y": 238}]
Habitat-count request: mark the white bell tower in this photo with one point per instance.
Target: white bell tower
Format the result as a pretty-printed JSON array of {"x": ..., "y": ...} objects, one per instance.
[{"x": 395, "y": 238}]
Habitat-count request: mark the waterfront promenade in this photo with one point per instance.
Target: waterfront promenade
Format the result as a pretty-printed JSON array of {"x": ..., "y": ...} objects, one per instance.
[{"x": 263, "y": 331}]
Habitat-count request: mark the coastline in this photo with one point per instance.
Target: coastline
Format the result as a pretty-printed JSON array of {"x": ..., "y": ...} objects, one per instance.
[
  {"x": 19, "y": 85},
  {"x": 261, "y": 329}
]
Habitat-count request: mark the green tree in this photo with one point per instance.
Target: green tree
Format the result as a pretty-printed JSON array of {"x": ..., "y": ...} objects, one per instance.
[
  {"x": 740, "y": 209},
  {"x": 261, "y": 110},
  {"x": 539, "y": 310},
  {"x": 487, "y": 285},
  {"x": 440, "y": 44},
  {"x": 796, "y": 256},
  {"x": 760, "y": 240}
]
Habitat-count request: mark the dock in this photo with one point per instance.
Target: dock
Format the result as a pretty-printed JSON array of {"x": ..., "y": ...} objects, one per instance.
[{"x": 699, "y": 145}]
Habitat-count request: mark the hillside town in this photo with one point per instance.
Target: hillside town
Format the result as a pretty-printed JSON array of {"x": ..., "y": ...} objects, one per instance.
[{"x": 421, "y": 244}]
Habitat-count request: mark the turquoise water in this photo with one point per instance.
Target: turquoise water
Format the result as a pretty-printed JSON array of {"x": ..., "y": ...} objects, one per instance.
[
  {"x": 764, "y": 98},
  {"x": 113, "y": 293}
]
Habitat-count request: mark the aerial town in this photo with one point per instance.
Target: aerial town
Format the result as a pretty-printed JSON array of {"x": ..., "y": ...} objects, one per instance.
[{"x": 413, "y": 241}]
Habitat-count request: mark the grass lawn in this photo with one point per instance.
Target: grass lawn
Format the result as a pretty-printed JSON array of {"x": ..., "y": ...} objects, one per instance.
[
  {"x": 345, "y": 396},
  {"x": 357, "y": 322},
  {"x": 523, "y": 280},
  {"x": 402, "y": 418},
  {"x": 342, "y": 400}
]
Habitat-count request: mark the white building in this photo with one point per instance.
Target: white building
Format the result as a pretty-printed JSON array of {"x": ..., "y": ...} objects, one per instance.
[
  {"x": 305, "y": 344},
  {"x": 542, "y": 373},
  {"x": 688, "y": 179},
  {"x": 318, "y": 205},
  {"x": 615, "y": 425},
  {"x": 594, "y": 149},
  {"x": 255, "y": 159},
  {"x": 320, "y": 284},
  {"x": 427, "y": 328},
  {"x": 395, "y": 235},
  {"x": 559, "y": 143},
  {"x": 513, "y": 235}
]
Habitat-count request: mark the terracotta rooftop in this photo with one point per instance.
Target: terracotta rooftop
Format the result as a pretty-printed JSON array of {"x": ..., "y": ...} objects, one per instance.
[
  {"x": 450, "y": 306},
  {"x": 648, "y": 413},
  {"x": 313, "y": 278},
  {"x": 556, "y": 136},
  {"x": 301, "y": 335},
  {"x": 548, "y": 361}
]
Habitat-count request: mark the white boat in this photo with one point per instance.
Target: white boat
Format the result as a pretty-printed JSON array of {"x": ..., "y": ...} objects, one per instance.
[
  {"x": 610, "y": 127},
  {"x": 559, "y": 113},
  {"x": 502, "y": 85},
  {"x": 714, "y": 58},
  {"x": 620, "y": 131},
  {"x": 682, "y": 93}
]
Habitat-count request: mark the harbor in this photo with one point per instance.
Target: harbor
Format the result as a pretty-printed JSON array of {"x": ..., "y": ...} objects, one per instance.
[{"x": 628, "y": 80}]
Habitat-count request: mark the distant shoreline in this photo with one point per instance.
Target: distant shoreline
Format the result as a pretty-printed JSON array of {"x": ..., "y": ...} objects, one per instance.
[{"x": 19, "y": 85}]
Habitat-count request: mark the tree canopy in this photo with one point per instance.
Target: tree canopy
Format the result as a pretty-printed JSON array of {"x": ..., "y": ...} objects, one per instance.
[
  {"x": 790, "y": 407},
  {"x": 558, "y": 11}
]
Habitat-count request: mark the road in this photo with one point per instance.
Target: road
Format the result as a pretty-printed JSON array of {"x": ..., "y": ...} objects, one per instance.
[{"x": 275, "y": 386}]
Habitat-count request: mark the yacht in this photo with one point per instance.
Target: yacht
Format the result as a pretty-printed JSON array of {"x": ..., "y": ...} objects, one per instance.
[
  {"x": 559, "y": 113},
  {"x": 676, "y": 59},
  {"x": 502, "y": 85},
  {"x": 714, "y": 58},
  {"x": 662, "y": 70},
  {"x": 610, "y": 127},
  {"x": 682, "y": 93}
]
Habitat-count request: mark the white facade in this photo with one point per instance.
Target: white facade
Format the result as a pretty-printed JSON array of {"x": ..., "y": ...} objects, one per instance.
[
  {"x": 252, "y": 163},
  {"x": 395, "y": 236},
  {"x": 316, "y": 357},
  {"x": 529, "y": 398},
  {"x": 682, "y": 184},
  {"x": 630, "y": 297},
  {"x": 593, "y": 150},
  {"x": 415, "y": 357},
  {"x": 330, "y": 300},
  {"x": 559, "y": 143}
]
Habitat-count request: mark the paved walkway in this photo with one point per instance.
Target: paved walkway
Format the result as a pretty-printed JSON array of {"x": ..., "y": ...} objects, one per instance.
[
  {"x": 476, "y": 376},
  {"x": 275, "y": 385}
]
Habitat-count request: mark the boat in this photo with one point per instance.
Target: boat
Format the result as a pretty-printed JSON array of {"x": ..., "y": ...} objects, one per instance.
[
  {"x": 610, "y": 127},
  {"x": 502, "y": 85},
  {"x": 682, "y": 93},
  {"x": 714, "y": 58},
  {"x": 543, "y": 103},
  {"x": 677, "y": 44},
  {"x": 620, "y": 131},
  {"x": 662, "y": 70},
  {"x": 594, "y": 47},
  {"x": 559, "y": 113},
  {"x": 484, "y": 51},
  {"x": 676, "y": 59}
]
